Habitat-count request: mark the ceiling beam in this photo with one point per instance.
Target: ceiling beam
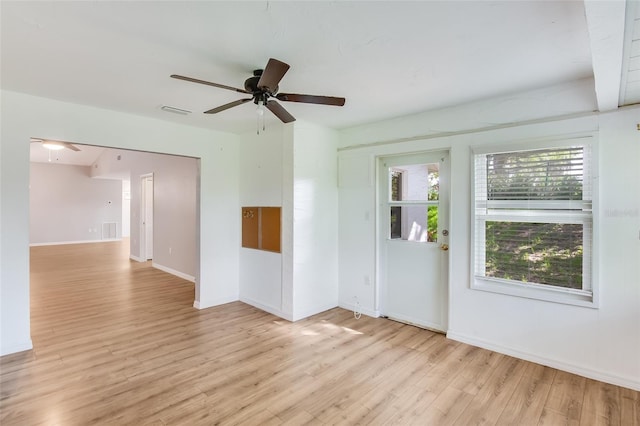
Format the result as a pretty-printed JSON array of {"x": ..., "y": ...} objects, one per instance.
[{"x": 605, "y": 23}]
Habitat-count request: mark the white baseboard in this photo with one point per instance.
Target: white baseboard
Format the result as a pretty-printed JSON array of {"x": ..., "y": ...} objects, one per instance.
[
  {"x": 311, "y": 312},
  {"x": 20, "y": 347},
  {"x": 560, "y": 365},
  {"x": 267, "y": 308},
  {"x": 174, "y": 272},
  {"x": 352, "y": 307},
  {"x": 216, "y": 302},
  {"x": 59, "y": 243},
  {"x": 136, "y": 258}
]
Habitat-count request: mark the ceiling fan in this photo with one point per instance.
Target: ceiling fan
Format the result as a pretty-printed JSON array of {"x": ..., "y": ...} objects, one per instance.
[
  {"x": 263, "y": 86},
  {"x": 55, "y": 145}
]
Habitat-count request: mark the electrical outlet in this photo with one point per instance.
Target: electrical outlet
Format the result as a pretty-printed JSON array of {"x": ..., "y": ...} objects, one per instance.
[{"x": 170, "y": 250}]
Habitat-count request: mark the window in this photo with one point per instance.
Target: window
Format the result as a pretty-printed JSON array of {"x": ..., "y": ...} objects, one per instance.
[
  {"x": 413, "y": 202},
  {"x": 533, "y": 222}
]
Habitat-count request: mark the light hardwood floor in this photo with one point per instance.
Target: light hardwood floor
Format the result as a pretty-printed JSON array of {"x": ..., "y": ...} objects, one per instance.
[{"x": 118, "y": 342}]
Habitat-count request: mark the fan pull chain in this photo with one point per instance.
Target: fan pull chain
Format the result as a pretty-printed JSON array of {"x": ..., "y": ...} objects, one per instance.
[{"x": 264, "y": 127}]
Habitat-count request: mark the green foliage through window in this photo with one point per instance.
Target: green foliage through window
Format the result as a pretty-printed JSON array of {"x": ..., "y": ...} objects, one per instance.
[{"x": 542, "y": 253}]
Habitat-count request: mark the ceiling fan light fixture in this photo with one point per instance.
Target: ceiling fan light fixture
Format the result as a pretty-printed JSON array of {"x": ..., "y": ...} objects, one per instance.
[{"x": 53, "y": 146}]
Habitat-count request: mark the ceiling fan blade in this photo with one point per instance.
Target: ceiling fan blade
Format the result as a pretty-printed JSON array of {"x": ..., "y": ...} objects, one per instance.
[
  {"x": 208, "y": 83},
  {"x": 227, "y": 106},
  {"x": 310, "y": 99},
  {"x": 279, "y": 111},
  {"x": 71, "y": 147},
  {"x": 272, "y": 74}
]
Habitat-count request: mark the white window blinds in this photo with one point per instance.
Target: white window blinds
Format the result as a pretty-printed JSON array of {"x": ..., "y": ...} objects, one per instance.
[{"x": 533, "y": 219}]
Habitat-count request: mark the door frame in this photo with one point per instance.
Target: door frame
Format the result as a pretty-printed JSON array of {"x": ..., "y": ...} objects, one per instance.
[
  {"x": 380, "y": 236},
  {"x": 143, "y": 214}
]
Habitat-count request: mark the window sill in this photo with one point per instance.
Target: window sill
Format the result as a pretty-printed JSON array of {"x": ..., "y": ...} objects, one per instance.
[{"x": 535, "y": 291}]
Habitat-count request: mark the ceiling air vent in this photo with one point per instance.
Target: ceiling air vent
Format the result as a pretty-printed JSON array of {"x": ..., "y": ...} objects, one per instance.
[{"x": 175, "y": 110}]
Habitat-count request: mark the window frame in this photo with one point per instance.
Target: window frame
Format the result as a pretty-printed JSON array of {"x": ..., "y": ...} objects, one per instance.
[{"x": 588, "y": 296}]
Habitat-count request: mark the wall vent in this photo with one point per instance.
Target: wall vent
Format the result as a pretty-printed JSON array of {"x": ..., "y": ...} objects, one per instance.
[{"x": 109, "y": 230}]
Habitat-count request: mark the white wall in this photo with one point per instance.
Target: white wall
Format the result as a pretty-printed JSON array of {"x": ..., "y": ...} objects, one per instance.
[
  {"x": 601, "y": 343},
  {"x": 23, "y": 116},
  {"x": 261, "y": 169},
  {"x": 174, "y": 210},
  {"x": 293, "y": 167},
  {"x": 174, "y": 215},
  {"x": 67, "y": 205},
  {"x": 315, "y": 220}
]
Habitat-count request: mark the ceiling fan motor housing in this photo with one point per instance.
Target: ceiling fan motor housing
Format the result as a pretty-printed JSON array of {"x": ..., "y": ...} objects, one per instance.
[{"x": 251, "y": 85}]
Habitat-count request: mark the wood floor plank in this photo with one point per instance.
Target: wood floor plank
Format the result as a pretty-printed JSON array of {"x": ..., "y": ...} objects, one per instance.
[
  {"x": 447, "y": 407},
  {"x": 601, "y": 404},
  {"x": 630, "y": 407},
  {"x": 488, "y": 404},
  {"x": 119, "y": 342},
  {"x": 566, "y": 396},
  {"x": 529, "y": 396}
]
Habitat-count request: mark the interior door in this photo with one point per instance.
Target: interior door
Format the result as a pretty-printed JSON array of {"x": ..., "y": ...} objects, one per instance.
[
  {"x": 147, "y": 216},
  {"x": 413, "y": 256}
]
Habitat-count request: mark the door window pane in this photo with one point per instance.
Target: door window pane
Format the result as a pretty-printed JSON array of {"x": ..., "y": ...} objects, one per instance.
[
  {"x": 414, "y": 223},
  {"x": 414, "y": 182}
]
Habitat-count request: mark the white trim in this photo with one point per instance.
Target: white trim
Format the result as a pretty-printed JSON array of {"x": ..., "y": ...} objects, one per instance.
[
  {"x": 373, "y": 313},
  {"x": 136, "y": 258},
  {"x": 475, "y": 130},
  {"x": 267, "y": 308},
  {"x": 534, "y": 291},
  {"x": 21, "y": 347},
  {"x": 566, "y": 140},
  {"x": 196, "y": 304},
  {"x": 217, "y": 302},
  {"x": 142, "y": 247},
  {"x": 56, "y": 243},
  {"x": 416, "y": 322},
  {"x": 549, "y": 362},
  {"x": 174, "y": 272},
  {"x": 315, "y": 311}
]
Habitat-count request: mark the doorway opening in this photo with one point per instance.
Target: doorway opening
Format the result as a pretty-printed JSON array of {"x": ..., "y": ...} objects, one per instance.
[{"x": 80, "y": 210}]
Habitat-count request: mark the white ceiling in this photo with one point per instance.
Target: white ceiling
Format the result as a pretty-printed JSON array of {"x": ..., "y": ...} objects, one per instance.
[{"x": 387, "y": 58}]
